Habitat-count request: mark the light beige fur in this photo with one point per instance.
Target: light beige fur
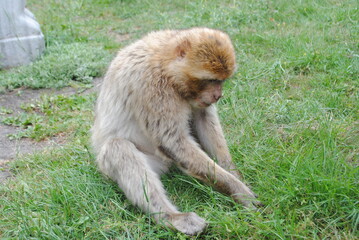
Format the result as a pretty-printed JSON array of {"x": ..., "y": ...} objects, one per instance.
[{"x": 156, "y": 108}]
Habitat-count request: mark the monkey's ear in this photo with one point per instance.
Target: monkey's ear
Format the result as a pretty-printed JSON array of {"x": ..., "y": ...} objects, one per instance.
[{"x": 182, "y": 48}]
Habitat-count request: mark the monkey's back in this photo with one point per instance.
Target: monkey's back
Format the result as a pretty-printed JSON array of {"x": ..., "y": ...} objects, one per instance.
[{"x": 124, "y": 94}]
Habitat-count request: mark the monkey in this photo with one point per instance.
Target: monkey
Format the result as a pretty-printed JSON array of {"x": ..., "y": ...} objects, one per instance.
[{"x": 156, "y": 108}]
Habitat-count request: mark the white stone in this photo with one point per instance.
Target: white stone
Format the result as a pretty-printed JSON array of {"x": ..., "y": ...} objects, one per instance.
[{"x": 21, "y": 39}]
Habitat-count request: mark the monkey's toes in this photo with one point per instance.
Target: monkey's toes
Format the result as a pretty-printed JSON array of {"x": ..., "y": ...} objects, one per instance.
[{"x": 188, "y": 223}]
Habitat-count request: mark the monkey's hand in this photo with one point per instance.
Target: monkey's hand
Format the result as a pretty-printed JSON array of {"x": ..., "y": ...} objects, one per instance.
[{"x": 246, "y": 197}]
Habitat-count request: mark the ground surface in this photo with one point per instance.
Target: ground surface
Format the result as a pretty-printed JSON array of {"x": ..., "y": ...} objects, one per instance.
[
  {"x": 10, "y": 149},
  {"x": 290, "y": 116}
]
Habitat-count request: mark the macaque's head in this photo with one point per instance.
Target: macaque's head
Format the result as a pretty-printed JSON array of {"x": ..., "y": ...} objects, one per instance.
[{"x": 205, "y": 59}]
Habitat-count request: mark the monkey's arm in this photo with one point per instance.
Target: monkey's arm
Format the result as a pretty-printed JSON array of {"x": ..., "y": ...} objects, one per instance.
[
  {"x": 210, "y": 136},
  {"x": 190, "y": 158},
  {"x": 171, "y": 133}
]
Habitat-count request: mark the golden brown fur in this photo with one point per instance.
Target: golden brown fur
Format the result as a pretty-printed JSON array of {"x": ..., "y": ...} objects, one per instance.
[{"x": 156, "y": 108}]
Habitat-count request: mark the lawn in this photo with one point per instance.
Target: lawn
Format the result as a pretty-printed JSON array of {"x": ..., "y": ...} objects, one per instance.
[{"x": 290, "y": 115}]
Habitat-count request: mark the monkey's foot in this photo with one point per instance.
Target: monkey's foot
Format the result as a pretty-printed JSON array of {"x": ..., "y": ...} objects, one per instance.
[{"x": 188, "y": 223}]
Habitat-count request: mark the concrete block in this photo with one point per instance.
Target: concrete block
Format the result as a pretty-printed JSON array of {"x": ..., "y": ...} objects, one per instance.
[{"x": 21, "y": 39}]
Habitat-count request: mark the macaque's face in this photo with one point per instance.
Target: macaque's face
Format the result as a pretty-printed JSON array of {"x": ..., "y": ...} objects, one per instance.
[
  {"x": 210, "y": 92},
  {"x": 203, "y": 64}
]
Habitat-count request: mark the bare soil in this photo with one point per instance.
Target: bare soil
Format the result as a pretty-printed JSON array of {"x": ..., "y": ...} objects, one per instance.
[{"x": 11, "y": 149}]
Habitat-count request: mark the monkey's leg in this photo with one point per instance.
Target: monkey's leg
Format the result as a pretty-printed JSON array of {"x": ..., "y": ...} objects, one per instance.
[
  {"x": 124, "y": 163},
  {"x": 211, "y": 138}
]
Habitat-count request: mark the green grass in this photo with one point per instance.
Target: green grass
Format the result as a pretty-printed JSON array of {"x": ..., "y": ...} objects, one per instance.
[
  {"x": 52, "y": 116},
  {"x": 61, "y": 65},
  {"x": 290, "y": 115}
]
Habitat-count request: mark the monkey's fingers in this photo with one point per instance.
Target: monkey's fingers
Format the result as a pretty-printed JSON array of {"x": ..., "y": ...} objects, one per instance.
[{"x": 249, "y": 201}]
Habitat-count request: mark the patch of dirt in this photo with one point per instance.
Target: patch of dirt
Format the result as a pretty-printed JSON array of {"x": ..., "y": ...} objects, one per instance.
[{"x": 10, "y": 149}]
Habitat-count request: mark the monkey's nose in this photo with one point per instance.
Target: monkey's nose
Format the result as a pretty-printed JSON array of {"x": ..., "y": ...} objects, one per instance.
[{"x": 217, "y": 96}]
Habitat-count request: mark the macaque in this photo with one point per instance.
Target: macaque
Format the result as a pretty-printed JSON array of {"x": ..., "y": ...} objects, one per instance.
[{"x": 156, "y": 109}]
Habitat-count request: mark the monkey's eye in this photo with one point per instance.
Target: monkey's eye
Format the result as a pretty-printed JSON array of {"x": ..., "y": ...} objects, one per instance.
[{"x": 214, "y": 81}]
